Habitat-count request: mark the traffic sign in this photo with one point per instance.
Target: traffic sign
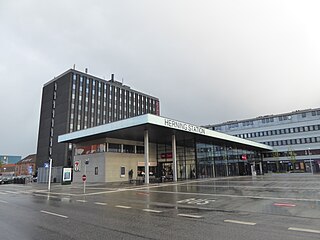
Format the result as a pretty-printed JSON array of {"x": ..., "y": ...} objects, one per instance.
[{"x": 84, "y": 178}]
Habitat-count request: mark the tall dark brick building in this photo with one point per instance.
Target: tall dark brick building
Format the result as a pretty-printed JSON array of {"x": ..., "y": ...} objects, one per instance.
[{"x": 74, "y": 101}]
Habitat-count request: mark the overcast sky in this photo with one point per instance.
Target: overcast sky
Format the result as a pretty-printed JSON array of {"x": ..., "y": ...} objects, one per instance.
[{"x": 207, "y": 61}]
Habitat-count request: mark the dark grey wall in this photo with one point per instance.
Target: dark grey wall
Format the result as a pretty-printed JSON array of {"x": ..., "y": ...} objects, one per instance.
[{"x": 60, "y": 118}]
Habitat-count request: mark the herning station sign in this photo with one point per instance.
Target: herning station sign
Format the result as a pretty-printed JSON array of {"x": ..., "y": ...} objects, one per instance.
[{"x": 184, "y": 126}]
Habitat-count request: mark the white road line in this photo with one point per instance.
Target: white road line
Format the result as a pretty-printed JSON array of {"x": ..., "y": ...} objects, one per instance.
[
  {"x": 303, "y": 230},
  {"x": 240, "y": 222},
  {"x": 11, "y": 192},
  {"x": 101, "y": 203},
  {"x": 3, "y": 193},
  {"x": 83, "y": 201},
  {"x": 3, "y": 201},
  {"x": 151, "y": 210},
  {"x": 189, "y": 215},
  {"x": 120, "y": 206},
  {"x": 54, "y": 214}
]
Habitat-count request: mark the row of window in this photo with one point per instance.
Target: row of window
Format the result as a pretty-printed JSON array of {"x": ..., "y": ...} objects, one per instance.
[
  {"x": 293, "y": 141},
  {"x": 55, "y": 87},
  {"x": 279, "y": 131},
  {"x": 266, "y": 120},
  {"x": 110, "y": 147},
  {"x": 93, "y": 107}
]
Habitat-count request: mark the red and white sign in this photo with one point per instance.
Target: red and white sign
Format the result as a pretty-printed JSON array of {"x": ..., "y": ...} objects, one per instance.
[
  {"x": 244, "y": 157},
  {"x": 166, "y": 155},
  {"x": 76, "y": 166},
  {"x": 84, "y": 178}
]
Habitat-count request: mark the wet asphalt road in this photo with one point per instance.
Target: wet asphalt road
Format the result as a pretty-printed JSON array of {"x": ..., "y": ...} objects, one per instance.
[{"x": 277, "y": 206}]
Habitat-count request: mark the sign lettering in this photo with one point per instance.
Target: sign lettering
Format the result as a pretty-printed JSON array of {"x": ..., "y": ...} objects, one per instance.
[{"x": 184, "y": 126}]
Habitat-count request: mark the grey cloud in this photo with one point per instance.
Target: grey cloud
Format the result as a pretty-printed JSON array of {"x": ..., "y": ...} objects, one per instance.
[{"x": 207, "y": 61}]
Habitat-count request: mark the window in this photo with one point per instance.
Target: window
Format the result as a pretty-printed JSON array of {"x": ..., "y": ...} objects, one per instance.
[
  {"x": 113, "y": 147},
  {"x": 122, "y": 171},
  {"x": 96, "y": 171},
  {"x": 140, "y": 149},
  {"x": 128, "y": 148},
  {"x": 303, "y": 115}
]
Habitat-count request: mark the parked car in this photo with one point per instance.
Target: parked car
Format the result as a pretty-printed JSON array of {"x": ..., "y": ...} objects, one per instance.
[{"x": 8, "y": 179}]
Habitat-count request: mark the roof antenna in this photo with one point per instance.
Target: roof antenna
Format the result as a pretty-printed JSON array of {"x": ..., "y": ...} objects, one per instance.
[
  {"x": 86, "y": 70},
  {"x": 122, "y": 81},
  {"x": 74, "y": 67}
]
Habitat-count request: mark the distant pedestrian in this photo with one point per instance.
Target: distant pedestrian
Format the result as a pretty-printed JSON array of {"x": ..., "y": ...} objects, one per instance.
[{"x": 130, "y": 175}]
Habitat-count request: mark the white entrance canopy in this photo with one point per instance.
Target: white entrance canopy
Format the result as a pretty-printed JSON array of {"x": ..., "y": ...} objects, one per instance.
[{"x": 160, "y": 130}]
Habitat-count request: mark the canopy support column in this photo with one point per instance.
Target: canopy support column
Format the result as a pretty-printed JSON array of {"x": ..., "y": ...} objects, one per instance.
[
  {"x": 174, "y": 158},
  {"x": 146, "y": 156}
]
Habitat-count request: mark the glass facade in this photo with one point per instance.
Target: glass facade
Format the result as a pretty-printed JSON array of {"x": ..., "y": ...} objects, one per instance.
[{"x": 206, "y": 160}]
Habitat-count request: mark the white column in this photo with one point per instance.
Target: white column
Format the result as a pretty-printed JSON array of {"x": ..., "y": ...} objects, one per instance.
[
  {"x": 146, "y": 156},
  {"x": 261, "y": 173},
  {"x": 174, "y": 158}
]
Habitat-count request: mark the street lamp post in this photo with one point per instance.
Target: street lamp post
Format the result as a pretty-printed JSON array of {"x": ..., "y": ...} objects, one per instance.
[
  {"x": 310, "y": 160},
  {"x": 50, "y": 168},
  {"x": 85, "y": 174}
]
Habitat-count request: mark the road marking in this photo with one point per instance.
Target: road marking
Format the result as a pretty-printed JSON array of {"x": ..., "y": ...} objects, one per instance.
[
  {"x": 284, "y": 204},
  {"x": 240, "y": 222},
  {"x": 151, "y": 210},
  {"x": 101, "y": 203},
  {"x": 3, "y": 201},
  {"x": 189, "y": 215},
  {"x": 239, "y": 196},
  {"x": 54, "y": 214},
  {"x": 11, "y": 192},
  {"x": 3, "y": 193},
  {"x": 83, "y": 201},
  {"x": 196, "y": 201},
  {"x": 303, "y": 230},
  {"x": 120, "y": 206}
]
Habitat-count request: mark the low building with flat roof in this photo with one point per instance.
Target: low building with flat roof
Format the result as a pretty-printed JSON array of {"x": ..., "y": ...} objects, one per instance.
[{"x": 157, "y": 148}]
